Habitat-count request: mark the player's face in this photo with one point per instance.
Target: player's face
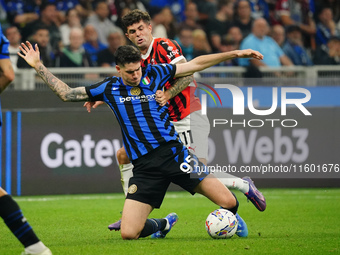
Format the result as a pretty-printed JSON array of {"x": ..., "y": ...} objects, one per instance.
[
  {"x": 140, "y": 35},
  {"x": 131, "y": 73}
]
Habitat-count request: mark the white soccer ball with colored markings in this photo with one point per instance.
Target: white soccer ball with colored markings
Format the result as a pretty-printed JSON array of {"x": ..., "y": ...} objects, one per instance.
[{"x": 221, "y": 223}]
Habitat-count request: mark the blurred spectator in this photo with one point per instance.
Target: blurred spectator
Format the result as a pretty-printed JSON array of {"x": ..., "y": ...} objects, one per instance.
[
  {"x": 259, "y": 9},
  {"x": 191, "y": 17},
  {"x": 243, "y": 18},
  {"x": 169, "y": 22},
  {"x": 92, "y": 45},
  {"x": 278, "y": 34},
  {"x": 74, "y": 55},
  {"x": 294, "y": 48},
  {"x": 258, "y": 40},
  {"x": 334, "y": 5},
  {"x": 297, "y": 12},
  {"x": 200, "y": 43},
  {"x": 122, "y": 6},
  {"x": 328, "y": 54},
  {"x": 235, "y": 34},
  {"x": 65, "y": 5},
  {"x": 72, "y": 20},
  {"x": 220, "y": 24},
  {"x": 157, "y": 20},
  {"x": 85, "y": 9},
  {"x": 207, "y": 9},
  {"x": 326, "y": 27},
  {"x": 185, "y": 40},
  {"x": 176, "y": 7},
  {"x": 106, "y": 57},
  {"x": 48, "y": 17},
  {"x": 228, "y": 44},
  {"x": 14, "y": 38},
  {"x": 21, "y": 12},
  {"x": 41, "y": 37},
  {"x": 100, "y": 21}
]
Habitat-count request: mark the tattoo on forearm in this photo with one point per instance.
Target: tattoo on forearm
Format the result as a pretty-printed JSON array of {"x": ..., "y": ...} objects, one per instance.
[
  {"x": 179, "y": 85},
  {"x": 60, "y": 88}
]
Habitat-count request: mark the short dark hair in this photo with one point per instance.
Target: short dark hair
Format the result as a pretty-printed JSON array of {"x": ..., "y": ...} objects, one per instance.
[
  {"x": 127, "y": 54},
  {"x": 134, "y": 17}
]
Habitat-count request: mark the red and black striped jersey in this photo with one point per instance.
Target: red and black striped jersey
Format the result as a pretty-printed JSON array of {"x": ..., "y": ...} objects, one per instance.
[{"x": 164, "y": 50}]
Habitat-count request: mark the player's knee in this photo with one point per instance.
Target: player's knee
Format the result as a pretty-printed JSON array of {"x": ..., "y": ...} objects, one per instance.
[
  {"x": 128, "y": 235},
  {"x": 122, "y": 157}
]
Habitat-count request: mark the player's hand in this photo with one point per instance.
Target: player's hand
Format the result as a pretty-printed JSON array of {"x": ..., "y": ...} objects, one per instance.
[
  {"x": 249, "y": 53},
  {"x": 31, "y": 56},
  {"x": 89, "y": 105},
  {"x": 162, "y": 97}
]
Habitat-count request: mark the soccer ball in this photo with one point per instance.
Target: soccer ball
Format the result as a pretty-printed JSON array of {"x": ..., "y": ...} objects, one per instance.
[{"x": 221, "y": 223}]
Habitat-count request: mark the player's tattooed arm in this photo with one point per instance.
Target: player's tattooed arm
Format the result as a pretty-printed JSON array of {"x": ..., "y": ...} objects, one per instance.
[
  {"x": 65, "y": 93},
  {"x": 176, "y": 87},
  {"x": 61, "y": 89},
  {"x": 179, "y": 85}
]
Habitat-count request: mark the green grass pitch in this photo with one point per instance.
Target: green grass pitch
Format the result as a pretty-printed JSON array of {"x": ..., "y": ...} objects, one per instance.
[{"x": 296, "y": 221}]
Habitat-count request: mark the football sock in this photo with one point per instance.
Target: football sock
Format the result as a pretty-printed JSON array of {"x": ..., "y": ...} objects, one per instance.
[
  {"x": 16, "y": 222},
  {"x": 125, "y": 173},
  {"x": 153, "y": 225},
  {"x": 236, "y": 183},
  {"x": 234, "y": 209},
  {"x": 35, "y": 248}
]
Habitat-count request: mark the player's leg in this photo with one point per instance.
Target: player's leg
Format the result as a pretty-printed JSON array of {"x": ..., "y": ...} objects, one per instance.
[
  {"x": 125, "y": 167},
  {"x": 6, "y": 69},
  {"x": 213, "y": 188},
  {"x": 135, "y": 223},
  {"x": 147, "y": 190},
  {"x": 11, "y": 213},
  {"x": 217, "y": 192},
  {"x": 199, "y": 147}
]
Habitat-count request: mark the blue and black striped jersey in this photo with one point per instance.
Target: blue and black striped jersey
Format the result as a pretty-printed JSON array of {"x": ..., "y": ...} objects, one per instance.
[{"x": 144, "y": 124}]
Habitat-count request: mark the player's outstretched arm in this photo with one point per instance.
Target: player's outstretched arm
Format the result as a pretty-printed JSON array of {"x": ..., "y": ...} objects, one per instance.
[
  {"x": 202, "y": 62},
  {"x": 65, "y": 93}
]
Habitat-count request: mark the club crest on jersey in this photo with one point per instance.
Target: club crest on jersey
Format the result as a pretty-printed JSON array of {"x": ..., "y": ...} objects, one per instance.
[
  {"x": 135, "y": 91},
  {"x": 146, "y": 81}
]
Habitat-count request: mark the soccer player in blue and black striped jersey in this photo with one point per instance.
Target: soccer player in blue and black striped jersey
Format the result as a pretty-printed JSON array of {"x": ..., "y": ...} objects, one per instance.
[
  {"x": 10, "y": 211},
  {"x": 150, "y": 140}
]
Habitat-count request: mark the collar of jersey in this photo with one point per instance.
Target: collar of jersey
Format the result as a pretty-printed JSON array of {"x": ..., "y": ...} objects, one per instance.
[{"x": 149, "y": 50}]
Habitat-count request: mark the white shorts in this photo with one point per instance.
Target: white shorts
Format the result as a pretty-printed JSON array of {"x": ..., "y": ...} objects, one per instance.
[{"x": 193, "y": 131}]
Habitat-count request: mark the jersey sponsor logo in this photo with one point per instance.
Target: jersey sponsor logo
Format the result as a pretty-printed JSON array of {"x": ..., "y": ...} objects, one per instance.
[
  {"x": 132, "y": 189},
  {"x": 173, "y": 53},
  {"x": 114, "y": 88},
  {"x": 135, "y": 91},
  {"x": 142, "y": 98}
]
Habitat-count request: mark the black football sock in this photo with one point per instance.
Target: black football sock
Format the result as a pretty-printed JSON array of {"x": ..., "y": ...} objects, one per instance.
[
  {"x": 11, "y": 214},
  {"x": 152, "y": 226}
]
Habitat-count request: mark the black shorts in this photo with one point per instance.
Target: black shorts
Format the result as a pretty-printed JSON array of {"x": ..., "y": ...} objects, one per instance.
[{"x": 153, "y": 173}]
